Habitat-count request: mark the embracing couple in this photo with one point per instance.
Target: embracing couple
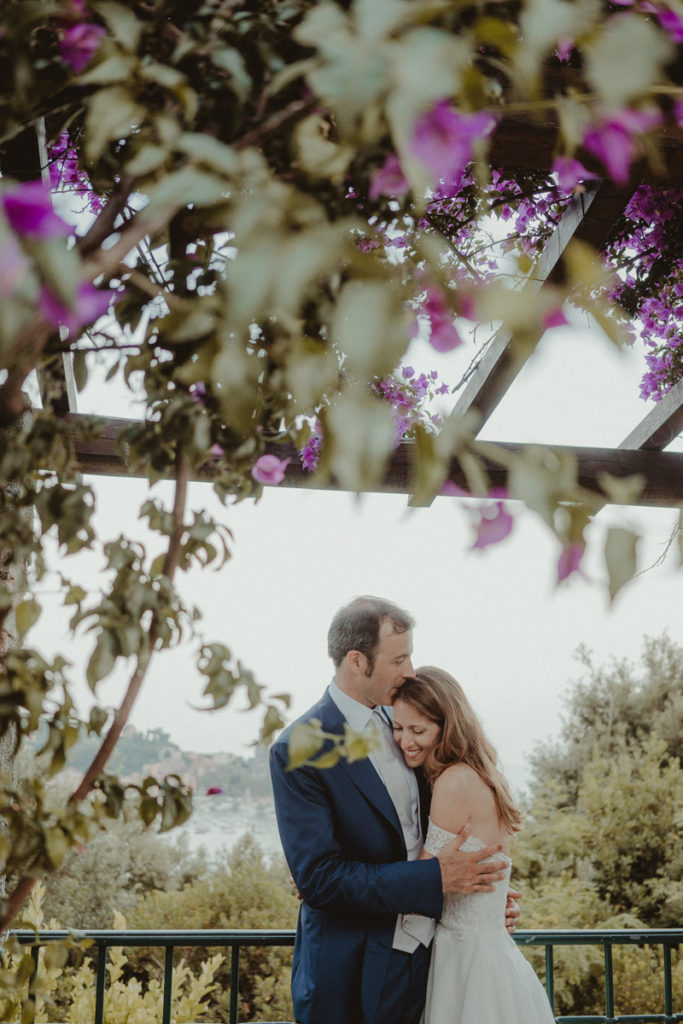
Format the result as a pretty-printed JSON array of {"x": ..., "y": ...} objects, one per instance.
[{"x": 402, "y": 858}]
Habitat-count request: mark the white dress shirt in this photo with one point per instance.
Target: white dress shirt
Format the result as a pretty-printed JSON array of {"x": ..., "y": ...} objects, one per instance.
[{"x": 401, "y": 785}]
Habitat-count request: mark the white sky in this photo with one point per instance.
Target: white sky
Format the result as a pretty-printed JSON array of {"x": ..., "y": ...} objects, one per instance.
[{"x": 495, "y": 619}]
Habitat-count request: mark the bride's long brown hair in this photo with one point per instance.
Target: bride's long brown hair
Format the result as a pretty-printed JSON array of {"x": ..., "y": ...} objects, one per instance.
[{"x": 440, "y": 698}]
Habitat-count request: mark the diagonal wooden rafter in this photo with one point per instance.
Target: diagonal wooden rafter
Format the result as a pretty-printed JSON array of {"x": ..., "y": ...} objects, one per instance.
[
  {"x": 661, "y": 426},
  {"x": 662, "y": 471},
  {"x": 498, "y": 365}
]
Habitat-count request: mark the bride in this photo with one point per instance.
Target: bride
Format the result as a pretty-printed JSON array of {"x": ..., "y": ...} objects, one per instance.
[{"x": 477, "y": 974}]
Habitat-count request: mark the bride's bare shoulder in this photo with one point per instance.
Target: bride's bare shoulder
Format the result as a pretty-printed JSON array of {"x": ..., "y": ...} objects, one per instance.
[{"x": 458, "y": 779}]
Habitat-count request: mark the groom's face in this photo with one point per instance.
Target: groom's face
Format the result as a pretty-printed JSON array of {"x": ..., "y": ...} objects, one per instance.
[{"x": 391, "y": 667}]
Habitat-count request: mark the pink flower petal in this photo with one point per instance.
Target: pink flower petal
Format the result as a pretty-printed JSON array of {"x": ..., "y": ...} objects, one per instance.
[
  {"x": 90, "y": 303},
  {"x": 452, "y": 490},
  {"x": 569, "y": 561},
  {"x": 28, "y": 209},
  {"x": 389, "y": 179},
  {"x": 554, "y": 318},
  {"x": 443, "y": 335},
  {"x": 672, "y": 23},
  {"x": 495, "y": 524},
  {"x": 79, "y": 43},
  {"x": 564, "y": 48},
  {"x": 214, "y": 790},
  {"x": 268, "y": 469},
  {"x": 443, "y": 139},
  {"x": 570, "y": 172}
]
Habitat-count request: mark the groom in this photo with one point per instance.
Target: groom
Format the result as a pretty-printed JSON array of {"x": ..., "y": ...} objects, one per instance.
[{"x": 351, "y": 834}]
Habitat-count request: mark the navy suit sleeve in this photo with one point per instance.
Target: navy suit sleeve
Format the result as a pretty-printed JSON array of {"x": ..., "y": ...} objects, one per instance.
[{"x": 325, "y": 854}]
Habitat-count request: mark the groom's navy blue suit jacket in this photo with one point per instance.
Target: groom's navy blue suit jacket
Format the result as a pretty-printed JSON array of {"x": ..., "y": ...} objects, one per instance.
[{"x": 345, "y": 848}]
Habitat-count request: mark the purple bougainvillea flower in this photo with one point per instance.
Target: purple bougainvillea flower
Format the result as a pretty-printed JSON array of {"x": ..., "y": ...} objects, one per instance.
[
  {"x": 28, "y": 209},
  {"x": 495, "y": 524},
  {"x": 13, "y": 266},
  {"x": 214, "y": 790},
  {"x": 564, "y": 49},
  {"x": 569, "y": 561},
  {"x": 443, "y": 139},
  {"x": 613, "y": 140},
  {"x": 555, "y": 318},
  {"x": 570, "y": 172},
  {"x": 443, "y": 336},
  {"x": 79, "y": 43},
  {"x": 452, "y": 490},
  {"x": 268, "y": 469},
  {"x": 672, "y": 23},
  {"x": 389, "y": 179},
  {"x": 198, "y": 393},
  {"x": 89, "y": 304}
]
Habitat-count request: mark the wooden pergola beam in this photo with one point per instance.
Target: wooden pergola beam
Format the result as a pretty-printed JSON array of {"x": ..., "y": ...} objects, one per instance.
[
  {"x": 661, "y": 425},
  {"x": 498, "y": 366},
  {"x": 662, "y": 471}
]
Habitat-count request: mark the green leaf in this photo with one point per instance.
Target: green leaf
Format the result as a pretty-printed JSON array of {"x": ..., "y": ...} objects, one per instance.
[
  {"x": 328, "y": 759},
  {"x": 618, "y": 81},
  {"x": 122, "y": 23},
  {"x": 370, "y": 328},
  {"x": 26, "y": 614},
  {"x": 622, "y": 490},
  {"x": 359, "y": 437},
  {"x": 317, "y": 154},
  {"x": 272, "y": 723},
  {"x": 59, "y": 267},
  {"x": 357, "y": 745},
  {"x": 57, "y": 845},
  {"x": 102, "y": 659},
  {"x": 97, "y": 720},
  {"x": 188, "y": 185},
  {"x": 80, "y": 369},
  {"x": 147, "y": 159},
  {"x": 232, "y": 61},
  {"x": 305, "y": 740},
  {"x": 75, "y": 594},
  {"x": 620, "y": 557},
  {"x": 112, "y": 114},
  {"x": 110, "y": 71}
]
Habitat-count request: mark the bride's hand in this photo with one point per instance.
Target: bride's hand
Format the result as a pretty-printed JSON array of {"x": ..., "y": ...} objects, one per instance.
[
  {"x": 465, "y": 872},
  {"x": 512, "y": 911}
]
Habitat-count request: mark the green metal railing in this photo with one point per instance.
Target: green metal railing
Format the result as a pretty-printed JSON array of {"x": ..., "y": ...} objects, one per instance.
[{"x": 667, "y": 938}]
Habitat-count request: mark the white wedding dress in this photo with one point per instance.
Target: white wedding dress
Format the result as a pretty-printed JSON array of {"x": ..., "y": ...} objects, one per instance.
[{"x": 477, "y": 975}]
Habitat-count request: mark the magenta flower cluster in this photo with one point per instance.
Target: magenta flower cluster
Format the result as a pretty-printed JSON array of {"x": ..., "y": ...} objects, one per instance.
[
  {"x": 409, "y": 395},
  {"x": 65, "y": 172},
  {"x": 647, "y": 254}
]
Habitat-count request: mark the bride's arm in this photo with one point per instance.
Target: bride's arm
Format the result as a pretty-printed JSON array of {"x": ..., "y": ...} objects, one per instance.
[{"x": 453, "y": 797}]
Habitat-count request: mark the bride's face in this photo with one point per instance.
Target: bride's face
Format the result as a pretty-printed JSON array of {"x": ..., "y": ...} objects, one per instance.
[{"x": 414, "y": 732}]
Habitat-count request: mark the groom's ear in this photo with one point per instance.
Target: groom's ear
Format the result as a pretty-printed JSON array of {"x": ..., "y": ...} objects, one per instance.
[{"x": 357, "y": 661}]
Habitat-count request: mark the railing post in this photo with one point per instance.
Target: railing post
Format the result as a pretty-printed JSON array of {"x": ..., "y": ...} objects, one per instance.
[
  {"x": 234, "y": 983},
  {"x": 168, "y": 986},
  {"x": 100, "y": 980},
  {"x": 668, "y": 996},
  {"x": 550, "y": 976},
  {"x": 35, "y": 956},
  {"x": 609, "y": 980}
]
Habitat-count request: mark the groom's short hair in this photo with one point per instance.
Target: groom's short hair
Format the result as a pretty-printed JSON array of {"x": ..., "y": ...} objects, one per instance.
[{"x": 356, "y": 627}]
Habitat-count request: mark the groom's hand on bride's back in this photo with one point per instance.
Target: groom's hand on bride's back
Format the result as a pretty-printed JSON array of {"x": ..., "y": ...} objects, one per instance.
[{"x": 469, "y": 871}]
